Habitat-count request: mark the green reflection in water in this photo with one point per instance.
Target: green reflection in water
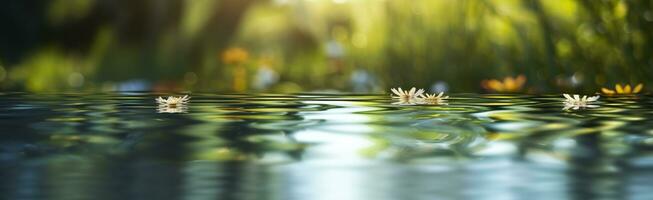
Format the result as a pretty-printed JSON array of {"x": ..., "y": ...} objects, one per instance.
[
  {"x": 250, "y": 127},
  {"x": 229, "y": 141}
]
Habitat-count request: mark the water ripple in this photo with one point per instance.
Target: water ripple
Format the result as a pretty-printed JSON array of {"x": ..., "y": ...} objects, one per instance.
[{"x": 287, "y": 134}]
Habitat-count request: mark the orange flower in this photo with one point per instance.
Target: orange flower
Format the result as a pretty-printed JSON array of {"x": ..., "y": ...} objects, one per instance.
[
  {"x": 235, "y": 55},
  {"x": 509, "y": 84},
  {"x": 623, "y": 90}
]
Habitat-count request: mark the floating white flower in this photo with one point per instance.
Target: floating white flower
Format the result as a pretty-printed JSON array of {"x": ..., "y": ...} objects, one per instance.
[
  {"x": 173, "y": 101},
  {"x": 433, "y": 98},
  {"x": 407, "y": 96},
  {"x": 577, "y": 102},
  {"x": 172, "y": 104}
]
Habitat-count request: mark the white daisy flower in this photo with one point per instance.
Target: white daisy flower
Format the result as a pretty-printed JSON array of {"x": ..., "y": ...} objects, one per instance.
[
  {"x": 173, "y": 101},
  {"x": 577, "y": 102},
  {"x": 172, "y": 104},
  {"x": 407, "y": 96},
  {"x": 433, "y": 98}
]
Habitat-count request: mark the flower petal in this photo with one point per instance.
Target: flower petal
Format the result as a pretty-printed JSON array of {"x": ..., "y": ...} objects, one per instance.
[
  {"x": 568, "y": 97},
  {"x": 419, "y": 92},
  {"x": 607, "y": 91},
  {"x": 594, "y": 98},
  {"x": 495, "y": 85},
  {"x": 619, "y": 89},
  {"x": 509, "y": 84},
  {"x": 638, "y": 88},
  {"x": 395, "y": 91}
]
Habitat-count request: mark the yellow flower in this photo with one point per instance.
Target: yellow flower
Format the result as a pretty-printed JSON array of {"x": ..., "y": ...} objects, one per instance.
[
  {"x": 235, "y": 55},
  {"x": 509, "y": 84},
  {"x": 433, "y": 98},
  {"x": 623, "y": 90}
]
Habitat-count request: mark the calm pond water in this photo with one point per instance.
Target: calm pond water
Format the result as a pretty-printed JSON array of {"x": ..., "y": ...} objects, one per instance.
[{"x": 323, "y": 146}]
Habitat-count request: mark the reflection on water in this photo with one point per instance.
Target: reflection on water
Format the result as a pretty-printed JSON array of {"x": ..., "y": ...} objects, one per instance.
[{"x": 316, "y": 146}]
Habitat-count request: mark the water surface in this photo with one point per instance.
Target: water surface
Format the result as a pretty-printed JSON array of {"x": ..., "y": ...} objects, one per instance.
[{"x": 323, "y": 146}]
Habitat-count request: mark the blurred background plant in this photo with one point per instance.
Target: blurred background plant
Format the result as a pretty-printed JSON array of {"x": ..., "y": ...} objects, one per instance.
[{"x": 323, "y": 45}]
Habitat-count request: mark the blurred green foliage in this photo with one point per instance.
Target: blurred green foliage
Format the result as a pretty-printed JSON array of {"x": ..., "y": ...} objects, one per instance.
[{"x": 301, "y": 45}]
